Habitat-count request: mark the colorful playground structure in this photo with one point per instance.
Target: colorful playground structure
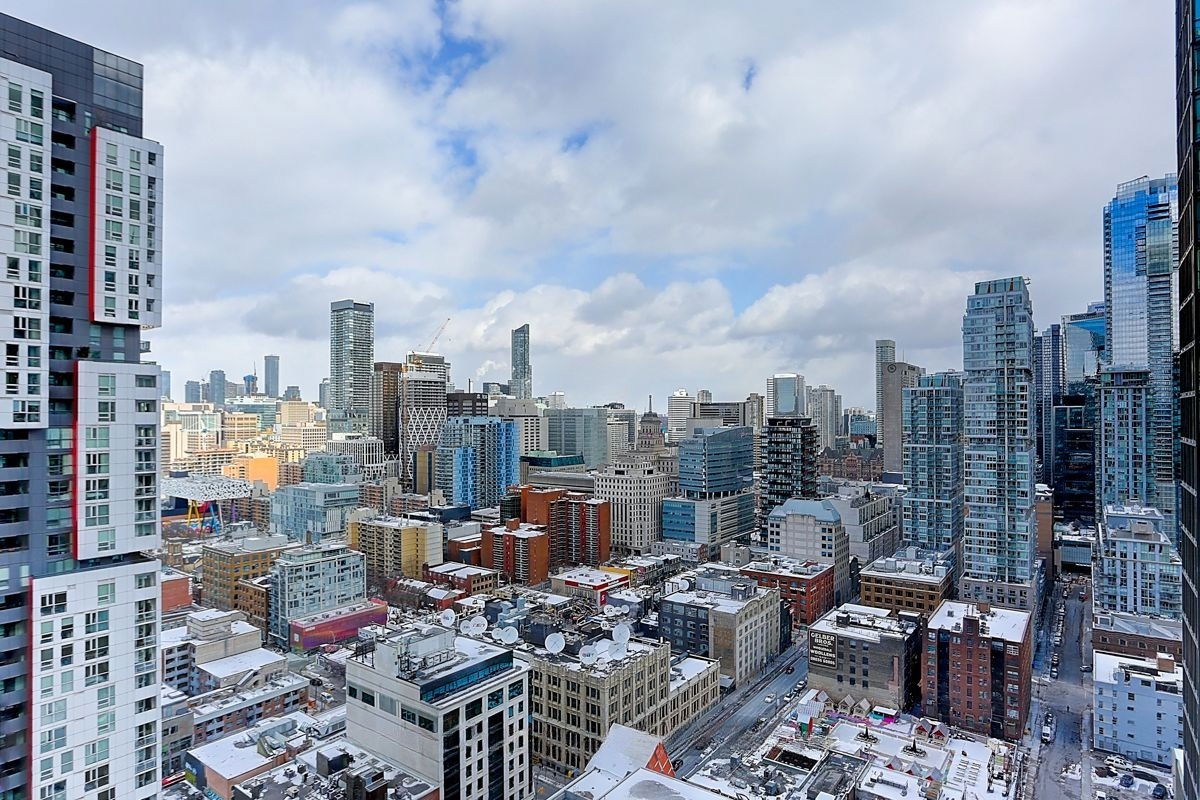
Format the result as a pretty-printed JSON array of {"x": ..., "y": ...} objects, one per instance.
[{"x": 204, "y": 494}]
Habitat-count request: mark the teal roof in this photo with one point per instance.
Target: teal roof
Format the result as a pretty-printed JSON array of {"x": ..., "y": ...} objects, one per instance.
[{"x": 821, "y": 510}]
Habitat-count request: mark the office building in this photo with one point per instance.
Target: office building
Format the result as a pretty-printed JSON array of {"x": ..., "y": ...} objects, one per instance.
[
  {"x": 476, "y": 460},
  {"x": 533, "y": 430},
  {"x": 422, "y": 408},
  {"x": 164, "y": 384},
  {"x": 326, "y": 467},
  {"x": 310, "y": 579},
  {"x": 216, "y": 388},
  {"x": 383, "y": 420},
  {"x": 453, "y": 709},
  {"x": 467, "y": 404},
  {"x": 351, "y": 357},
  {"x": 717, "y": 503},
  {"x": 191, "y": 392},
  {"x": 825, "y": 409},
  {"x": 1126, "y": 445},
  {"x": 932, "y": 508},
  {"x": 1083, "y": 336},
  {"x": 395, "y": 546},
  {"x": 866, "y": 653},
  {"x": 1186, "y": 64},
  {"x": 1073, "y": 453},
  {"x": 271, "y": 376},
  {"x": 889, "y": 428},
  {"x": 812, "y": 530},
  {"x": 679, "y": 407},
  {"x": 644, "y": 688},
  {"x": 1138, "y": 706},
  {"x": 226, "y": 562},
  {"x": 310, "y": 512},
  {"x": 727, "y": 617},
  {"x": 1137, "y": 568},
  {"x": 999, "y": 542},
  {"x": 789, "y": 451},
  {"x": 579, "y": 431},
  {"x": 885, "y": 353},
  {"x": 978, "y": 668},
  {"x": 368, "y": 452},
  {"x": 730, "y": 414},
  {"x": 521, "y": 381},
  {"x": 635, "y": 487},
  {"x": 323, "y": 393},
  {"x": 911, "y": 580},
  {"x": 785, "y": 395},
  {"x": 79, "y": 423},
  {"x": 1141, "y": 286}
]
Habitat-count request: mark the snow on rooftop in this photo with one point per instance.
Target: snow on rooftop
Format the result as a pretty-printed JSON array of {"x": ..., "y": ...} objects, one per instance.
[
  {"x": 624, "y": 750},
  {"x": 1002, "y": 623},
  {"x": 242, "y": 662}
]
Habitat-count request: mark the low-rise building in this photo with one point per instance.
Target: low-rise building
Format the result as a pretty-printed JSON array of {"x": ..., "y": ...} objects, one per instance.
[
  {"x": 217, "y": 767},
  {"x": 911, "y": 580},
  {"x": 467, "y": 578},
  {"x": 1141, "y": 637},
  {"x": 866, "y": 653},
  {"x": 591, "y": 584},
  {"x": 395, "y": 546},
  {"x": 1137, "y": 706},
  {"x": 226, "y": 562},
  {"x": 729, "y": 618},
  {"x": 208, "y": 635},
  {"x": 1138, "y": 569},
  {"x": 336, "y": 625},
  {"x": 805, "y": 586},
  {"x": 978, "y": 668},
  {"x": 311, "y": 579},
  {"x": 812, "y": 530}
]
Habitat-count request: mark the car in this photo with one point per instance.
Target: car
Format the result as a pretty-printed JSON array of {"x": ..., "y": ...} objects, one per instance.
[
  {"x": 1054, "y": 659},
  {"x": 1054, "y": 672},
  {"x": 1049, "y": 717},
  {"x": 1118, "y": 763},
  {"x": 315, "y": 682},
  {"x": 1126, "y": 781},
  {"x": 769, "y": 698},
  {"x": 790, "y": 670},
  {"x": 1159, "y": 792},
  {"x": 1085, "y": 667}
]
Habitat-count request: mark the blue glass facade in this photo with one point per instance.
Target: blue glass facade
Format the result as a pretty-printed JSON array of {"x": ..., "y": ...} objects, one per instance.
[
  {"x": 999, "y": 541},
  {"x": 1141, "y": 290},
  {"x": 477, "y": 460},
  {"x": 933, "y": 462},
  {"x": 1083, "y": 337},
  {"x": 716, "y": 461}
]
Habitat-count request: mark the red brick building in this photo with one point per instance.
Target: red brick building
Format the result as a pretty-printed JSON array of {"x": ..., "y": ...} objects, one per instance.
[
  {"x": 520, "y": 551},
  {"x": 978, "y": 668},
  {"x": 806, "y": 586},
  {"x": 467, "y": 578}
]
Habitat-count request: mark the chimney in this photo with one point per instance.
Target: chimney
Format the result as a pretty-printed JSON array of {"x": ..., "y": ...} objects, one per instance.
[
  {"x": 983, "y": 608},
  {"x": 512, "y": 524},
  {"x": 1165, "y": 662}
]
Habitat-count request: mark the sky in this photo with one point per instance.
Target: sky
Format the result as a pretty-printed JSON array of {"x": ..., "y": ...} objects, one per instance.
[{"x": 673, "y": 194}]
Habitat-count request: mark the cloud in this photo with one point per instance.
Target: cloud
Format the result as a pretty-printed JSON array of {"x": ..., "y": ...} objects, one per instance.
[{"x": 673, "y": 194}]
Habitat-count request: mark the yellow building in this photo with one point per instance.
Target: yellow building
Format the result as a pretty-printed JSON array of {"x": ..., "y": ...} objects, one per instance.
[
  {"x": 254, "y": 467},
  {"x": 396, "y": 546},
  {"x": 238, "y": 426}
]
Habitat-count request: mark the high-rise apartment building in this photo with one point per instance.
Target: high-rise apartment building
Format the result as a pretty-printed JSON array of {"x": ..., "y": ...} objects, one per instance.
[
  {"x": 999, "y": 540},
  {"x": 789, "y": 451},
  {"x": 1138, "y": 570},
  {"x": 476, "y": 460},
  {"x": 395, "y": 546},
  {"x": 533, "y": 430},
  {"x": 351, "y": 357},
  {"x": 785, "y": 395},
  {"x": 1187, "y": 94},
  {"x": 1048, "y": 383},
  {"x": 679, "y": 406},
  {"x": 825, "y": 409},
  {"x": 885, "y": 353},
  {"x": 932, "y": 508},
  {"x": 422, "y": 415},
  {"x": 271, "y": 376},
  {"x": 384, "y": 418},
  {"x": 79, "y": 423},
  {"x": 1141, "y": 287},
  {"x": 897, "y": 376},
  {"x": 812, "y": 530},
  {"x": 1073, "y": 453},
  {"x": 521, "y": 380},
  {"x": 1125, "y": 446},
  {"x": 579, "y": 431}
]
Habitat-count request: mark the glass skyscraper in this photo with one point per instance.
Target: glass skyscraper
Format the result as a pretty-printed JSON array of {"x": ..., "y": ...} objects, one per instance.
[
  {"x": 1141, "y": 250},
  {"x": 933, "y": 462},
  {"x": 521, "y": 377},
  {"x": 999, "y": 541}
]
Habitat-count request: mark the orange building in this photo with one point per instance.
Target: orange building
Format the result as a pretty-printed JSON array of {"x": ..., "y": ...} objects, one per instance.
[
  {"x": 520, "y": 551},
  {"x": 253, "y": 468}
]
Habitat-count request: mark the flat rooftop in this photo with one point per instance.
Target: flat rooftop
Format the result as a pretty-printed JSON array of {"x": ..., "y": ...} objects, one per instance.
[
  {"x": 864, "y": 623},
  {"x": 1001, "y": 623}
]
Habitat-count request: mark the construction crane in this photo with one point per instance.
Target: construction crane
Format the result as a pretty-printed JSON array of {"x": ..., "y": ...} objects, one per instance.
[{"x": 437, "y": 335}]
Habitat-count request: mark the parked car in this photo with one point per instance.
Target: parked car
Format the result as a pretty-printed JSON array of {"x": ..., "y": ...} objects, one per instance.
[
  {"x": 1118, "y": 763},
  {"x": 769, "y": 698},
  {"x": 1054, "y": 672},
  {"x": 1126, "y": 781},
  {"x": 790, "y": 670},
  {"x": 1159, "y": 792},
  {"x": 1085, "y": 667}
]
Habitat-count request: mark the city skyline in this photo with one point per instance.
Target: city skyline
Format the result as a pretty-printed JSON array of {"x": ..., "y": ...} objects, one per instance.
[{"x": 794, "y": 236}]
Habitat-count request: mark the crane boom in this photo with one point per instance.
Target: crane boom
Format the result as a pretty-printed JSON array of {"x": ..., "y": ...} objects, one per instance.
[{"x": 437, "y": 335}]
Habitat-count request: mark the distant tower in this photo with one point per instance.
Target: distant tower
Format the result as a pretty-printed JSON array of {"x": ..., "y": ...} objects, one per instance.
[
  {"x": 521, "y": 380},
  {"x": 679, "y": 408},
  {"x": 885, "y": 353},
  {"x": 216, "y": 387},
  {"x": 351, "y": 356},
  {"x": 271, "y": 376},
  {"x": 785, "y": 395},
  {"x": 250, "y": 384}
]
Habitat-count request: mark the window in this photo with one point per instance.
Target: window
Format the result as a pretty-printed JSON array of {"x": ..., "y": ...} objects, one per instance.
[
  {"x": 14, "y": 157},
  {"x": 135, "y": 184},
  {"x": 114, "y": 205},
  {"x": 135, "y": 209},
  {"x": 97, "y": 463},
  {"x": 54, "y": 712},
  {"x": 14, "y": 184},
  {"x": 95, "y": 778},
  {"x": 35, "y": 188},
  {"x": 53, "y": 791},
  {"x": 35, "y": 162},
  {"x": 95, "y": 622},
  {"x": 113, "y": 180},
  {"x": 106, "y": 696},
  {"x": 110, "y": 153},
  {"x": 110, "y": 260},
  {"x": 97, "y": 437},
  {"x": 96, "y": 751},
  {"x": 145, "y": 381},
  {"x": 27, "y": 214},
  {"x": 106, "y": 411},
  {"x": 145, "y": 580},
  {"x": 135, "y": 159},
  {"x": 106, "y": 540},
  {"x": 27, "y": 242},
  {"x": 37, "y": 102},
  {"x": 94, "y": 674},
  {"x": 55, "y": 603},
  {"x": 106, "y": 722},
  {"x": 112, "y": 230},
  {"x": 31, "y": 132},
  {"x": 27, "y": 297},
  {"x": 51, "y": 740},
  {"x": 106, "y": 593},
  {"x": 106, "y": 385},
  {"x": 14, "y": 98}
]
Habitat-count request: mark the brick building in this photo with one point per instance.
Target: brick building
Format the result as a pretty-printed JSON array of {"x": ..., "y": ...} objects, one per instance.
[
  {"x": 520, "y": 551},
  {"x": 911, "y": 580},
  {"x": 805, "y": 586}
]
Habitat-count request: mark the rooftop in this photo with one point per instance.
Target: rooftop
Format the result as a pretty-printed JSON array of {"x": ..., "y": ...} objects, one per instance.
[
  {"x": 820, "y": 510},
  {"x": 1136, "y": 625},
  {"x": 304, "y": 778},
  {"x": 237, "y": 754},
  {"x": 588, "y": 576},
  {"x": 998, "y": 623},
  {"x": 717, "y": 601},
  {"x": 1166, "y": 673},
  {"x": 911, "y": 564},
  {"x": 782, "y": 565},
  {"x": 863, "y": 623},
  {"x": 228, "y": 703},
  {"x": 242, "y": 662}
]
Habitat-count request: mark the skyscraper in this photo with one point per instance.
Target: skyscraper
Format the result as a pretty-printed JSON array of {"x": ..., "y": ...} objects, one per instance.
[
  {"x": 477, "y": 460},
  {"x": 1189, "y": 320},
  {"x": 885, "y": 353},
  {"x": 785, "y": 395},
  {"x": 164, "y": 384},
  {"x": 679, "y": 407},
  {"x": 351, "y": 356},
  {"x": 384, "y": 419},
  {"x": 897, "y": 376},
  {"x": 789, "y": 452},
  {"x": 825, "y": 409},
  {"x": 521, "y": 381},
  {"x": 1083, "y": 338},
  {"x": 73, "y": 538},
  {"x": 1141, "y": 287},
  {"x": 216, "y": 387},
  {"x": 933, "y": 463},
  {"x": 271, "y": 376},
  {"x": 191, "y": 392},
  {"x": 716, "y": 503},
  {"x": 1048, "y": 387},
  {"x": 999, "y": 541},
  {"x": 1125, "y": 473},
  {"x": 579, "y": 431}
]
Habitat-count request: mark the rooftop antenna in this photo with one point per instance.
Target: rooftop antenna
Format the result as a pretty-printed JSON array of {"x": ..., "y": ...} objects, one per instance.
[{"x": 651, "y": 409}]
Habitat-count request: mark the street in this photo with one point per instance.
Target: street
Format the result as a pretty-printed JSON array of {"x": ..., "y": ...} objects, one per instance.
[
  {"x": 722, "y": 729},
  {"x": 1069, "y": 697}
]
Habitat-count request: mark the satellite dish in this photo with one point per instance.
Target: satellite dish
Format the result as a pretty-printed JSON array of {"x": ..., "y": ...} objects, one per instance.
[
  {"x": 619, "y": 650},
  {"x": 587, "y": 654},
  {"x": 478, "y": 625},
  {"x": 464, "y": 627},
  {"x": 555, "y": 643},
  {"x": 621, "y": 633},
  {"x": 509, "y": 635},
  {"x": 448, "y": 617},
  {"x": 611, "y": 611}
]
